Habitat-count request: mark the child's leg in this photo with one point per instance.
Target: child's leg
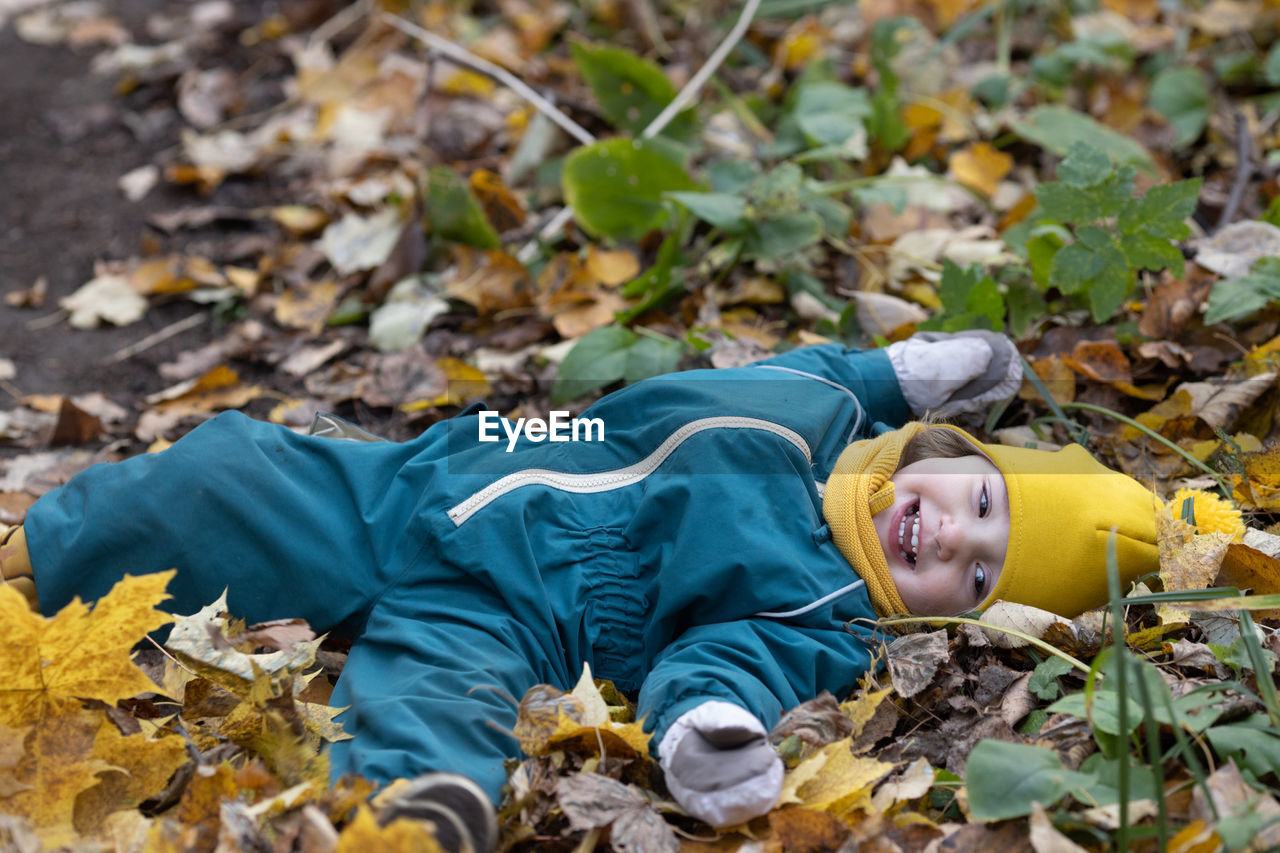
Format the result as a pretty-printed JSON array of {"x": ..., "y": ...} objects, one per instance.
[
  {"x": 433, "y": 683},
  {"x": 290, "y": 525}
]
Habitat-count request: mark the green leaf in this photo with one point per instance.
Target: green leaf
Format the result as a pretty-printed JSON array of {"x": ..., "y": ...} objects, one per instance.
[
  {"x": 1044, "y": 680},
  {"x": 1072, "y": 267},
  {"x": 652, "y": 355},
  {"x": 1146, "y": 251},
  {"x": 1041, "y": 250},
  {"x": 886, "y": 125},
  {"x": 954, "y": 286},
  {"x": 1252, "y": 743},
  {"x": 616, "y": 187},
  {"x": 1056, "y": 129},
  {"x": 719, "y": 209},
  {"x": 831, "y": 113},
  {"x": 1084, "y": 167},
  {"x": 788, "y": 232},
  {"x": 1271, "y": 70},
  {"x": 599, "y": 358},
  {"x": 454, "y": 213},
  {"x": 631, "y": 90},
  {"x": 1182, "y": 96},
  {"x": 1107, "y": 291},
  {"x": 1236, "y": 297},
  {"x": 732, "y": 176},
  {"x": 1163, "y": 211},
  {"x": 1005, "y": 779},
  {"x": 1026, "y": 305},
  {"x": 1064, "y": 203}
]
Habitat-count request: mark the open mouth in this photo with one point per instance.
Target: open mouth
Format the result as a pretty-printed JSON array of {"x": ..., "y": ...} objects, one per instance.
[{"x": 909, "y": 535}]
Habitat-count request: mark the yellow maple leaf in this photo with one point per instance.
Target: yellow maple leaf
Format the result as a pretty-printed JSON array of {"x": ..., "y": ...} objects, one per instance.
[
  {"x": 79, "y": 653},
  {"x": 363, "y": 835},
  {"x": 861, "y": 709},
  {"x": 140, "y": 766},
  {"x": 54, "y": 770},
  {"x": 834, "y": 780}
]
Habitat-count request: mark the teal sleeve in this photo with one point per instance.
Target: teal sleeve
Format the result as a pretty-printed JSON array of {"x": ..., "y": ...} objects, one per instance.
[
  {"x": 866, "y": 373},
  {"x": 763, "y": 665}
]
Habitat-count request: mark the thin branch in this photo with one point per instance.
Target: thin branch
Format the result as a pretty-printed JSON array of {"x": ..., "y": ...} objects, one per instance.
[
  {"x": 682, "y": 99},
  {"x": 1244, "y": 171},
  {"x": 691, "y": 89},
  {"x": 462, "y": 56},
  {"x": 158, "y": 337},
  {"x": 344, "y": 18}
]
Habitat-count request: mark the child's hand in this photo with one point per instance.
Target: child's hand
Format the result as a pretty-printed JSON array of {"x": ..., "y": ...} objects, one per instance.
[
  {"x": 719, "y": 764},
  {"x": 955, "y": 374}
]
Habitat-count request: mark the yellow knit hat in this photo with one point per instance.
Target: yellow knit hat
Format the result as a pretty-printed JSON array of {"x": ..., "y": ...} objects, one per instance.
[{"x": 1062, "y": 506}]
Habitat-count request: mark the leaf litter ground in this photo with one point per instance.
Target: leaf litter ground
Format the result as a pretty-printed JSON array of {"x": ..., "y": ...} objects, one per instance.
[{"x": 1012, "y": 734}]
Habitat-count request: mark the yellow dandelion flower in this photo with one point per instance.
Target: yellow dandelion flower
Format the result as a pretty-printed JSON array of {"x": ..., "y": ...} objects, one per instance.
[{"x": 1213, "y": 514}]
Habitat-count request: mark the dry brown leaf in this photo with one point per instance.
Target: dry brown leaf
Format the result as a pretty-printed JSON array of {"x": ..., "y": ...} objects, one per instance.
[
  {"x": 1018, "y": 617},
  {"x": 1187, "y": 561},
  {"x": 1057, "y": 377},
  {"x": 914, "y": 661},
  {"x": 307, "y": 306},
  {"x": 489, "y": 280},
  {"x": 1249, "y": 569},
  {"x": 501, "y": 206},
  {"x": 797, "y": 828}
]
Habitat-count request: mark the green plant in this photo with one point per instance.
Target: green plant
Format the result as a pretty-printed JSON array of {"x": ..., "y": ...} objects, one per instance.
[{"x": 1105, "y": 234}]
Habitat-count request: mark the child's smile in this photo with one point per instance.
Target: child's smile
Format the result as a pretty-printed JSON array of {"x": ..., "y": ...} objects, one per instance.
[{"x": 946, "y": 534}]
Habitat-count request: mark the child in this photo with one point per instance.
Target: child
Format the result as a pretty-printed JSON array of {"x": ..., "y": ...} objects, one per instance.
[{"x": 720, "y": 551}]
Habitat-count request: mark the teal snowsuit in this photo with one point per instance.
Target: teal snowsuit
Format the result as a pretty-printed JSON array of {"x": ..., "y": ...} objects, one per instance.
[{"x": 685, "y": 556}]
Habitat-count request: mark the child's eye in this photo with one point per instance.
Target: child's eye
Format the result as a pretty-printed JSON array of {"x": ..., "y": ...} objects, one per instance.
[
  {"x": 984, "y": 503},
  {"x": 980, "y": 582}
]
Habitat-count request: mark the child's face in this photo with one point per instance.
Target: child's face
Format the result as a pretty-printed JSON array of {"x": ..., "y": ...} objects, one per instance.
[{"x": 958, "y": 510}]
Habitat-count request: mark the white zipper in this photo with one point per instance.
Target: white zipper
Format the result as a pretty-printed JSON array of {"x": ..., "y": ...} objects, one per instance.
[
  {"x": 813, "y": 605},
  {"x": 618, "y": 478}
]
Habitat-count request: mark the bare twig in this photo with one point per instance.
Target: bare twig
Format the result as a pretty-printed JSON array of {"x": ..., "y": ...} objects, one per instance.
[
  {"x": 682, "y": 99},
  {"x": 462, "y": 56},
  {"x": 691, "y": 89},
  {"x": 1244, "y": 171},
  {"x": 159, "y": 337},
  {"x": 344, "y": 18}
]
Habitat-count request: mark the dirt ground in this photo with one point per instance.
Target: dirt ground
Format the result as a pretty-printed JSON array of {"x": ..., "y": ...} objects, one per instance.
[{"x": 65, "y": 139}]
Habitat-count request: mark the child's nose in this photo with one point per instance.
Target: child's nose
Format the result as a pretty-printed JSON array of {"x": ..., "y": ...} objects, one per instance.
[{"x": 949, "y": 537}]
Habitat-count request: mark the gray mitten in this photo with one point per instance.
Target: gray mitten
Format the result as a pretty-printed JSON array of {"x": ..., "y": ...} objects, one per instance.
[
  {"x": 957, "y": 373},
  {"x": 719, "y": 764}
]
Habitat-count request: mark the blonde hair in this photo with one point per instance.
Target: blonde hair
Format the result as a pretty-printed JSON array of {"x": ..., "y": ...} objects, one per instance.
[{"x": 936, "y": 443}]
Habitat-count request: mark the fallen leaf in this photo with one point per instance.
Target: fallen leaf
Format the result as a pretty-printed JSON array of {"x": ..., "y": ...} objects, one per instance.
[
  {"x": 833, "y": 780},
  {"x": 612, "y": 268},
  {"x": 1045, "y": 838},
  {"x": 914, "y": 660},
  {"x": 1031, "y": 621},
  {"x": 979, "y": 166},
  {"x": 590, "y": 800},
  {"x": 107, "y": 297},
  {"x": 1232, "y": 251},
  {"x": 806, "y": 830},
  {"x": 402, "y": 835},
  {"x": 356, "y": 242},
  {"x": 1187, "y": 561},
  {"x": 307, "y": 306}
]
